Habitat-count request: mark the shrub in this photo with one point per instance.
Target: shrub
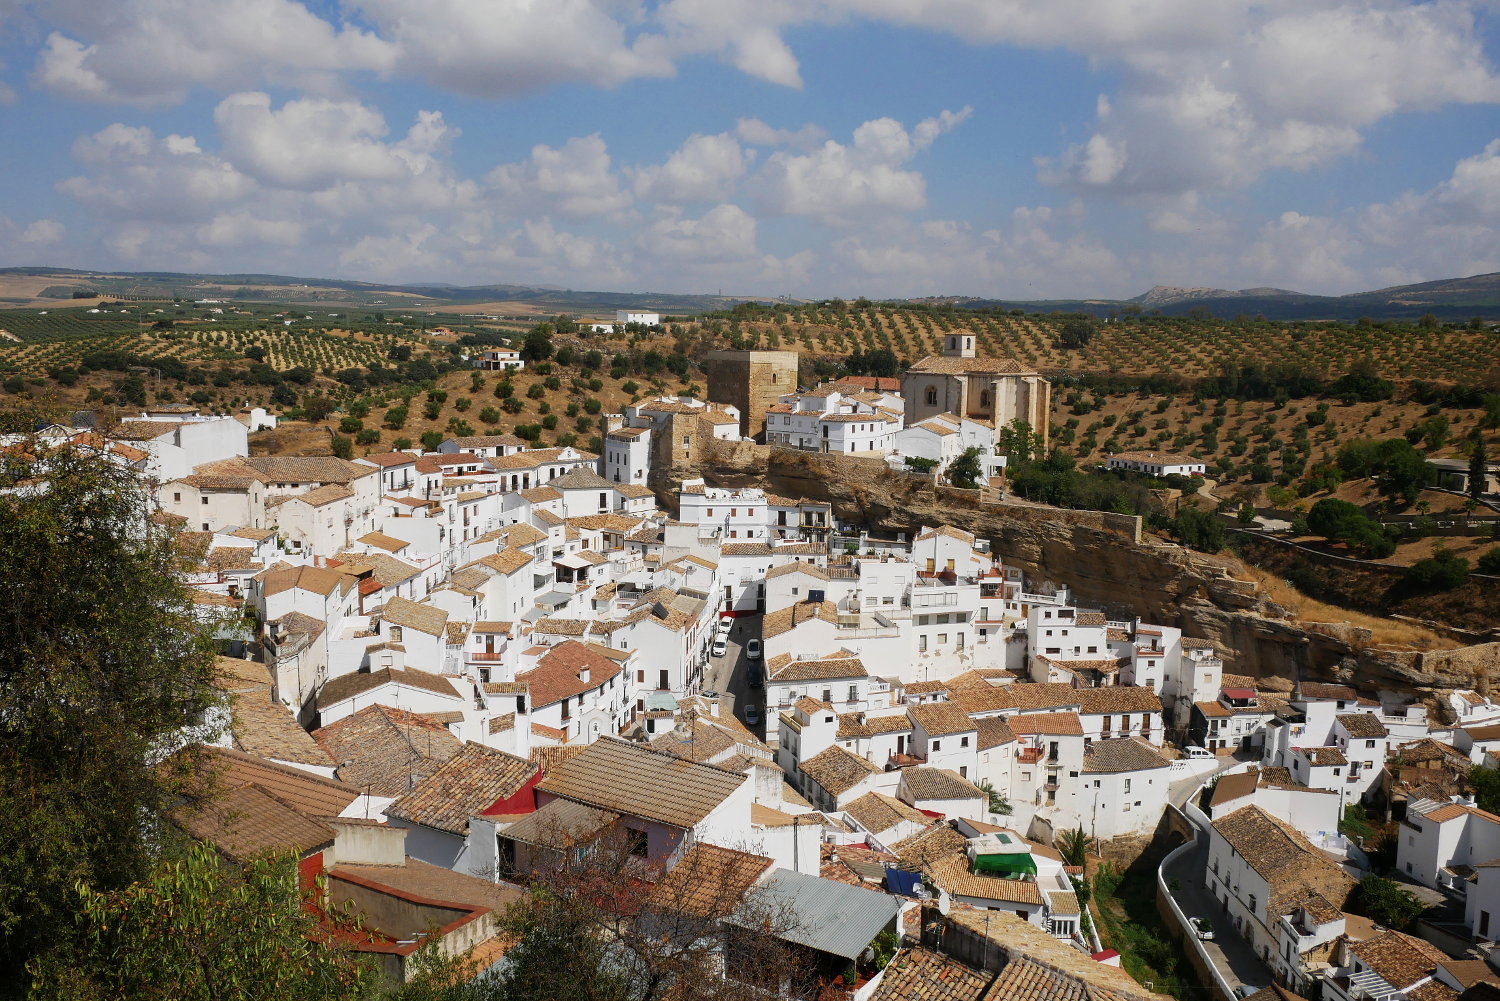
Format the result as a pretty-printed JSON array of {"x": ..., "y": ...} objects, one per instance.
[
  {"x": 343, "y": 446},
  {"x": 1489, "y": 563},
  {"x": 367, "y": 436},
  {"x": 351, "y": 425},
  {"x": 1385, "y": 902},
  {"x": 401, "y": 444},
  {"x": 536, "y": 392},
  {"x": 431, "y": 440},
  {"x": 489, "y": 415},
  {"x": 395, "y": 417},
  {"x": 1442, "y": 571}
]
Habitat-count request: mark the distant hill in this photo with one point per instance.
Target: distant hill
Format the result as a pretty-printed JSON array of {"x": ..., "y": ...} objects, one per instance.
[
  {"x": 1448, "y": 299},
  {"x": 327, "y": 291}
]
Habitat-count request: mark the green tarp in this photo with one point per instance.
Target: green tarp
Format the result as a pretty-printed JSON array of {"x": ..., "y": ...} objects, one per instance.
[{"x": 1005, "y": 865}]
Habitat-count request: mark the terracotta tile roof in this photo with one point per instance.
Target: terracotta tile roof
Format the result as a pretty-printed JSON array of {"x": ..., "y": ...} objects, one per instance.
[
  {"x": 1031, "y": 696},
  {"x": 1281, "y": 856},
  {"x": 876, "y": 812},
  {"x": 745, "y": 549},
  {"x": 415, "y": 878},
  {"x": 935, "y": 842},
  {"x": 920, "y": 974},
  {"x": 580, "y": 479},
  {"x": 862, "y": 725},
  {"x": 1401, "y": 960},
  {"x": 1118, "y": 699},
  {"x": 1193, "y": 643},
  {"x": 349, "y": 685},
  {"x": 993, "y": 732},
  {"x": 383, "y": 567},
  {"x": 708, "y": 881},
  {"x": 938, "y": 783},
  {"x": 1362, "y": 725},
  {"x": 785, "y": 619},
  {"x": 1324, "y": 755},
  {"x": 242, "y": 824},
  {"x": 1122, "y": 754},
  {"x": 821, "y": 670},
  {"x": 1213, "y": 710},
  {"x": 617, "y": 775},
  {"x": 263, "y": 726},
  {"x": 245, "y": 821},
  {"x": 1049, "y": 724},
  {"x": 464, "y": 786},
  {"x": 489, "y": 441},
  {"x": 940, "y": 719},
  {"x": 1339, "y": 693},
  {"x": 315, "y": 579},
  {"x": 387, "y": 459},
  {"x": 1164, "y": 458},
  {"x": 387, "y": 750},
  {"x": 951, "y": 874},
  {"x": 837, "y": 770},
  {"x": 409, "y": 614},
  {"x": 380, "y": 540},
  {"x": 560, "y": 673}
]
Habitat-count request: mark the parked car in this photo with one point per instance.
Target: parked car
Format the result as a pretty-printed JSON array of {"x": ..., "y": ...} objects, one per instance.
[
  {"x": 752, "y": 649},
  {"x": 724, "y": 626},
  {"x": 721, "y": 646},
  {"x": 755, "y": 677},
  {"x": 752, "y": 715},
  {"x": 1203, "y": 929},
  {"x": 1197, "y": 752}
]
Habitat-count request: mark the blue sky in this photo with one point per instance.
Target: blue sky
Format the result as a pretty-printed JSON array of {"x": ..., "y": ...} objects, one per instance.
[{"x": 887, "y": 148}]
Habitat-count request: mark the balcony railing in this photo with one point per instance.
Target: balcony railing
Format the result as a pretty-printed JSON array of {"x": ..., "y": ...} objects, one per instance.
[
  {"x": 485, "y": 658},
  {"x": 1030, "y": 756}
]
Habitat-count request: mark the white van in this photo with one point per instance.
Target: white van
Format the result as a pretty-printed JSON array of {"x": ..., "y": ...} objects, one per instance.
[
  {"x": 721, "y": 645},
  {"x": 1198, "y": 752}
]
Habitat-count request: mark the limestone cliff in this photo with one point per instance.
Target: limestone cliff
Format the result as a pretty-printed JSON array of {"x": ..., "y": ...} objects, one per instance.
[{"x": 1101, "y": 556}]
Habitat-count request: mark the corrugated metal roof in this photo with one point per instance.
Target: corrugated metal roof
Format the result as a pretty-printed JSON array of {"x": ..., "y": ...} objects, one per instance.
[{"x": 830, "y": 916}]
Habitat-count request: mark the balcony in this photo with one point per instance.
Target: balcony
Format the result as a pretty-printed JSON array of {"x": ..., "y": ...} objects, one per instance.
[
  {"x": 485, "y": 658},
  {"x": 1030, "y": 756}
]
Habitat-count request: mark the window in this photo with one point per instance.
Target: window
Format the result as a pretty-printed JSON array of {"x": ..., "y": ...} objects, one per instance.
[
  {"x": 204, "y": 499},
  {"x": 828, "y": 695},
  {"x": 637, "y": 841},
  {"x": 177, "y": 497},
  {"x": 395, "y": 634},
  {"x": 922, "y": 644},
  {"x": 942, "y": 638},
  {"x": 853, "y": 693},
  {"x": 931, "y": 396},
  {"x": 937, "y": 745},
  {"x": 1127, "y": 787},
  {"x": 1369, "y": 743},
  {"x": 963, "y": 742}
]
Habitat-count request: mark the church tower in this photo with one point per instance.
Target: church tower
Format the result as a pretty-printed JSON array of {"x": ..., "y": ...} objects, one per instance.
[{"x": 959, "y": 344}]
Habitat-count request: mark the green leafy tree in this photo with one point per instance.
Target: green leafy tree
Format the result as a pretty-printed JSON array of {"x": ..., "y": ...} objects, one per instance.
[
  {"x": 1074, "y": 846},
  {"x": 1385, "y": 902},
  {"x": 1479, "y": 461},
  {"x": 395, "y": 417},
  {"x": 1442, "y": 571},
  {"x": 343, "y": 446},
  {"x": 1489, "y": 563},
  {"x": 104, "y": 663},
  {"x": 966, "y": 470},
  {"x": 431, "y": 440},
  {"x": 538, "y": 344},
  {"x": 1019, "y": 442},
  {"x": 1199, "y": 529},
  {"x": 1076, "y": 333},
  {"x": 198, "y": 929}
]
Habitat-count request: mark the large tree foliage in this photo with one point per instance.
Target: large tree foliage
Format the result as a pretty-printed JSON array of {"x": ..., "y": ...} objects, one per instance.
[
  {"x": 966, "y": 470},
  {"x": 103, "y": 666},
  {"x": 1385, "y": 902},
  {"x": 1479, "y": 464},
  {"x": 200, "y": 929}
]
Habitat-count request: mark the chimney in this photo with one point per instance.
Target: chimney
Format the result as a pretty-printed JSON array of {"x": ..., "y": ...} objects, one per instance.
[
  {"x": 363, "y": 842},
  {"x": 583, "y": 675}
]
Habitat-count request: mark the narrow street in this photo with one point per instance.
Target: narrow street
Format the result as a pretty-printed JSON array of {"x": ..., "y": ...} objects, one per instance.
[
  {"x": 1228, "y": 951},
  {"x": 729, "y": 675}
]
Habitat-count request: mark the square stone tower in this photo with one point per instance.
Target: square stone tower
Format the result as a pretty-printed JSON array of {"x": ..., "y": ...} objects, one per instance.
[{"x": 752, "y": 381}]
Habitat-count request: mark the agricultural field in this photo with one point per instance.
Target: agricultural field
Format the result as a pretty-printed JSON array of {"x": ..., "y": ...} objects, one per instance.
[
  {"x": 1136, "y": 384},
  {"x": 1138, "y": 345}
]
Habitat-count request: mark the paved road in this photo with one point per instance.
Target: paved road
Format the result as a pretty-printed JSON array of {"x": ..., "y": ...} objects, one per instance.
[
  {"x": 1182, "y": 788},
  {"x": 1229, "y": 952},
  {"x": 729, "y": 675}
]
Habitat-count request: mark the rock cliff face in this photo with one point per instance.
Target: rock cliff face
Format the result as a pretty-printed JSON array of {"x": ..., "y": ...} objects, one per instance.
[{"x": 1102, "y": 558}]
